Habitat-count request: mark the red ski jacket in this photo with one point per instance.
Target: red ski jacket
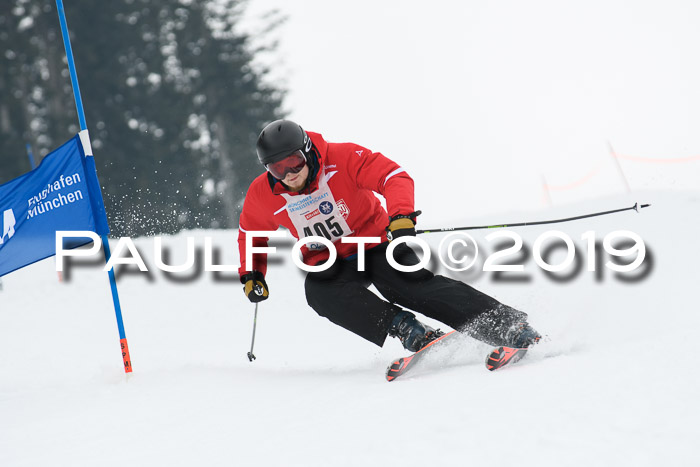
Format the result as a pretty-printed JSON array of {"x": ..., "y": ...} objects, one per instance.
[{"x": 339, "y": 201}]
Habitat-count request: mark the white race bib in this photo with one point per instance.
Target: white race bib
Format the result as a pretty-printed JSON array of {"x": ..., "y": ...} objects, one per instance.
[{"x": 318, "y": 214}]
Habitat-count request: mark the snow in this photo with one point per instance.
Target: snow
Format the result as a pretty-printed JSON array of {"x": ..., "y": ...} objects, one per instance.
[
  {"x": 614, "y": 385},
  {"x": 556, "y": 110},
  {"x": 509, "y": 96}
]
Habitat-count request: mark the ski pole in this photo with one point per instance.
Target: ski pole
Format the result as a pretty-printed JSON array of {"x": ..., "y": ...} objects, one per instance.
[
  {"x": 258, "y": 291},
  {"x": 251, "y": 357},
  {"x": 636, "y": 207}
]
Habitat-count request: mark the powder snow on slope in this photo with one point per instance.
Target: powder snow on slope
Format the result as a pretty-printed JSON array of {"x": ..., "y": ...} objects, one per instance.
[{"x": 614, "y": 384}]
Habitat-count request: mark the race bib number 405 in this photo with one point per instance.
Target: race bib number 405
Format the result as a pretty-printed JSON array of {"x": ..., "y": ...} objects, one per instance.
[{"x": 318, "y": 214}]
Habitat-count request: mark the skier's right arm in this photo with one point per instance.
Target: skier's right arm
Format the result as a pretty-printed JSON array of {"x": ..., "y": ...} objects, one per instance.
[{"x": 254, "y": 217}]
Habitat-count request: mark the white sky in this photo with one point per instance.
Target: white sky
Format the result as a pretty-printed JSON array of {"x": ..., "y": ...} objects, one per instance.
[{"x": 484, "y": 102}]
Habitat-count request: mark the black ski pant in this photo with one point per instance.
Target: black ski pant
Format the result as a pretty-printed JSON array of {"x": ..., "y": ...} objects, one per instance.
[{"x": 340, "y": 294}]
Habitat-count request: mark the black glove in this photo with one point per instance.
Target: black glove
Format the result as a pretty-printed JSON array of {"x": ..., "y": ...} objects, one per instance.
[
  {"x": 255, "y": 287},
  {"x": 402, "y": 225}
]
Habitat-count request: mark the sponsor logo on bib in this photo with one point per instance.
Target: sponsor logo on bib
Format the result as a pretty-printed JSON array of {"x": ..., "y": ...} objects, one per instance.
[
  {"x": 326, "y": 207},
  {"x": 343, "y": 208},
  {"x": 311, "y": 214}
]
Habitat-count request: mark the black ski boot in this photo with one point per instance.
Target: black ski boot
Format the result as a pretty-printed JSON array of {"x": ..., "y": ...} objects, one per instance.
[
  {"x": 522, "y": 336},
  {"x": 413, "y": 334}
]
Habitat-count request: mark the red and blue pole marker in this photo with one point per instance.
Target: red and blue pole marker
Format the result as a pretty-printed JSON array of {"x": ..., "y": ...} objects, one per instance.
[{"x": 83, "y": 126}]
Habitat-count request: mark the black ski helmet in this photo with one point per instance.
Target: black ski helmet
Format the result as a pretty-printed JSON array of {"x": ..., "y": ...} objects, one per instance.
[{"x": 281, "y": 138}]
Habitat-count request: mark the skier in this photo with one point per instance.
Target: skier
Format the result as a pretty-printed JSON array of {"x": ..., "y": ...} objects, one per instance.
[{"x": 314, "y": 187}]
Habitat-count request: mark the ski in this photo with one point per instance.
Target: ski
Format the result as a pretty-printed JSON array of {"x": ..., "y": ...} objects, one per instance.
[
  {"x": 403, "y": 364},
  {"x": 502, "y": 356}
]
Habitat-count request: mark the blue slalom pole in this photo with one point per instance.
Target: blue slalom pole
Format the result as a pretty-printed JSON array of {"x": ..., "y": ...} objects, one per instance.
[
  {"x": 83, "y": 126},
  {"x": 30, "y": 156}
]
